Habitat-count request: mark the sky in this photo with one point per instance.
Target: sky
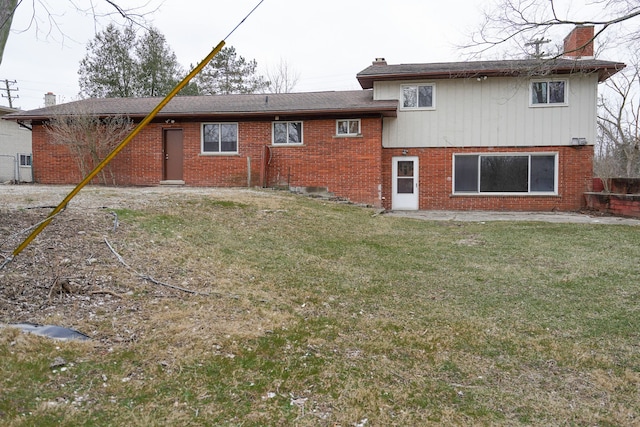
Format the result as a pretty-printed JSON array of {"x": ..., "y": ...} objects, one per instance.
[{"x": 325, "y": 42}]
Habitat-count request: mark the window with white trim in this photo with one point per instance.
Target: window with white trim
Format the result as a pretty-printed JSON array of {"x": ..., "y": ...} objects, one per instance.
[
  {"x": 548, "y": 92},
  {"x": 219, "y": 138},
  {"x": 348, "y": 127},
  {"x": 416, "y": 97},
  {"x": 287, "y": 133},
  {"x": 505, "y": 173},
  {"x": 25, "y": 160}
]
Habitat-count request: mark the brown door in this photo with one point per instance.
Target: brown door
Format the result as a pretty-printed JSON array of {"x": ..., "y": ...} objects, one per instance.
[{"x": 173, "y": 155}]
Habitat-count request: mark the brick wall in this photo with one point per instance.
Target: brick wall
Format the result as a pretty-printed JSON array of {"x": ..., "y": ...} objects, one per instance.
[
  {"x": 348, "y": 167},
  {"x": 436, "y": 174},
  {"x": 52, "y": 164}
]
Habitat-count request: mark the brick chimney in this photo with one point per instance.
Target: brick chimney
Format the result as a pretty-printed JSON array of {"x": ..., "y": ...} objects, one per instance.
[
  {"x": 579, "y": 43},
  {"x": 49, "y": 99},
  {"x": 380, "y": 61}
]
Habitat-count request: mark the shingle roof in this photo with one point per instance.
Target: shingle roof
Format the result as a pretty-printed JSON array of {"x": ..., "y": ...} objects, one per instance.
[
  {"x": 450, "y": 70},
  {"x": 251, "y": 105}
]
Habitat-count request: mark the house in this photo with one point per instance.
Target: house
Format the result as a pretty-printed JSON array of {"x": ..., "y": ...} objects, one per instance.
[
  {"x": 492, "y": 135},
  {"x": 329, "y": 140},
  {"x": 15, "y": 150}
]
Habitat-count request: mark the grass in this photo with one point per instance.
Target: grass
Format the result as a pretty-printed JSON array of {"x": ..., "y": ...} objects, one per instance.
[{"x": 324, "y": 314}]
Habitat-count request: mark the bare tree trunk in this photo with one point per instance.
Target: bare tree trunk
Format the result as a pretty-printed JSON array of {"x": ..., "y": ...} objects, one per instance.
[{"x": 7, "y": 9}]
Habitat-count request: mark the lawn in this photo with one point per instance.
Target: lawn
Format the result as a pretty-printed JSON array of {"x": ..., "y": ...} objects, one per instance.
[{"x": 315, "y": 313}]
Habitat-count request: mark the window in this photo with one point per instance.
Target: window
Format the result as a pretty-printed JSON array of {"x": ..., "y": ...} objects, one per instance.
[
  {"x": 25, "y": 160},
  {"x": 506, "y": 173},
  {"x": 549, "y": 92},
  {"x": 418, "y": 96},
  {"x": 348, "y": 127},
  {"x": 287, "y": 133},
  {"x": 219, "y": 138}
]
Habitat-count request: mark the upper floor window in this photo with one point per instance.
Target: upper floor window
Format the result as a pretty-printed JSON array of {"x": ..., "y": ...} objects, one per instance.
[
  {"x": 552, "y": 92},
  {"x": 25, "y": 159},
  {"x": 287, "y": 133},
  {"x": 348, "y": 127},
  {"x": 219, "y": 138},
  {"x": 418, "y": 96}
]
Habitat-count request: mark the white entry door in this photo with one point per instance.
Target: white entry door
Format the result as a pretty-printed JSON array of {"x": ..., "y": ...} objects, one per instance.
[{"x": 405, "y": 184}]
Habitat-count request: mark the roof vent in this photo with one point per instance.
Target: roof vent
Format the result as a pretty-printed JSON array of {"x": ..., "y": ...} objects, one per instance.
[{"x": 380, "y": 61}]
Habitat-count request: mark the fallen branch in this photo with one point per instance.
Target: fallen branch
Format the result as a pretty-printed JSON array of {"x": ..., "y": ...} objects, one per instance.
[
  {"x": 106, "y": 292},
  {"x": 122, "y": 261},
  {"x": 115, "y": 221},
  {"x": 146, "y": 276},
  {"x": 152, "y": 280},
  {"x": 61, "y": 286}
]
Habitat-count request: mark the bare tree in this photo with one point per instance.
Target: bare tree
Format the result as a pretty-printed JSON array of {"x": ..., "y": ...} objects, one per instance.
[
  {"x": 618, "y": 150},
  {"x": 282, "y": 77},
  {"x": 519, "y": 22},
  {"x": 44, "y": 15},
  {"x": 88, "y": 137}
]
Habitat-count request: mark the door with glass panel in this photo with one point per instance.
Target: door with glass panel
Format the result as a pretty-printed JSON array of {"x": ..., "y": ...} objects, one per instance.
[{"x": 405, "y": 183}]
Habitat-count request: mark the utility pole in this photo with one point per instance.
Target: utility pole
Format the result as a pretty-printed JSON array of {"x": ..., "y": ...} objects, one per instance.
[
  {"x": 8, "y": 88},
  {"x": 537, "y": 43}
]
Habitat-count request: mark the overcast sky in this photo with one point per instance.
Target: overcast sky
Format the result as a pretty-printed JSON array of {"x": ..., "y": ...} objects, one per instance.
[{"x": 326, "y": 42}]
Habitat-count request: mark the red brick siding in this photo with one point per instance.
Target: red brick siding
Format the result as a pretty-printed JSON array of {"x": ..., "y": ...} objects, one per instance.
[
  {"x": 51, "y": 164},
  {"x": 348, "y": 167},
  {"x": 436, "y": 164}
]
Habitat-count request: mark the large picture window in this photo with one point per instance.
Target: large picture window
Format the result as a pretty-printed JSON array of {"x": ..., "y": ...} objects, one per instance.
[
  {"x": 505, "y": 173},
  {"x": 418, "y": 96},
  {"x": 287, "y": 133},
  {"x": 219, "y": 138},
  {"x": 548, "y": 92}
]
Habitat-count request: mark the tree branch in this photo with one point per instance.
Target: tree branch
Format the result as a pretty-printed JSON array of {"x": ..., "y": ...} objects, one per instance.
[{"x": 146, "y": 276}]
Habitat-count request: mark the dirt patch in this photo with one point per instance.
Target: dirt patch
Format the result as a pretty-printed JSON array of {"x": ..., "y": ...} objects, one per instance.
[{"x": 68, "y": 276}]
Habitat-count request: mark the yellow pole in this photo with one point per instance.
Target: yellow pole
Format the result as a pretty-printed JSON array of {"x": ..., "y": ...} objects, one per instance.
[{"x": 115, "y": 151}]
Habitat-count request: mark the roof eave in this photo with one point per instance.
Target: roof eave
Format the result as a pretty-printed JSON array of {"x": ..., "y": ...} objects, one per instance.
[
  {"x": 386, "y": 111},
  {"x": 604, "y": 72}
]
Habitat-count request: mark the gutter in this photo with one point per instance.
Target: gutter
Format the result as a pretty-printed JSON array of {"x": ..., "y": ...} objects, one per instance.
[{"x": 386, "y": 111}]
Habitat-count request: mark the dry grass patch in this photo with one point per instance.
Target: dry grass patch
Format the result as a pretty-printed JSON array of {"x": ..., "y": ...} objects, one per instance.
[{"x": 314, "y": 313}]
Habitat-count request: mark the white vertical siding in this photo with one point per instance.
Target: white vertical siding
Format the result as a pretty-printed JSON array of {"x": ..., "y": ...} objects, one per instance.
[
  {"x": 495, "y": 112},
  {"x": 13, "y": 141}
]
